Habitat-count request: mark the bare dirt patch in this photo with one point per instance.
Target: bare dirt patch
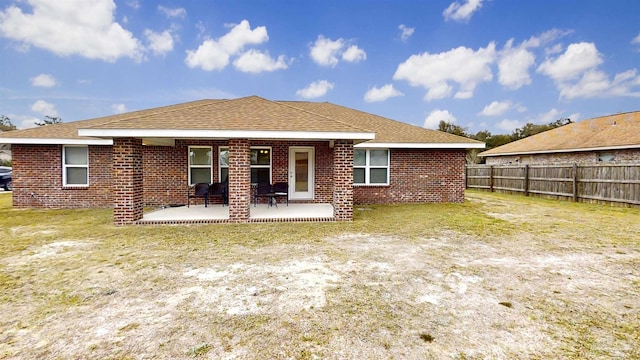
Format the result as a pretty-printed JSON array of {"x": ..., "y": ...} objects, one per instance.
[{"x": 547, "y": 294}]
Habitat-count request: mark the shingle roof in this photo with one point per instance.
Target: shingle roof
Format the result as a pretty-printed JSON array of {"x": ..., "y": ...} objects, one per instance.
[
  {"x": 249, "y": 114},
  {"x": 387, "y": 130},
  {"x": 606, "y": 132}
]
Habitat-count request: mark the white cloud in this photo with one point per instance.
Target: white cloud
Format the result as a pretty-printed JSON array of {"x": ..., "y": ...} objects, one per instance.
[
  {"x": 575, "y": 117},
  {"x": 119, "y": 108},
  {"x": 72, "y": 27},
  {"x": 159, "y": 43},
  {"x": 326, "y": 52},
  {"x": 44, "y": 108},
  {"x": 381, "y": 94},
  {"x": 513, "y": 66},
  {"x": 214, "y": 54},
  {"x": 433, "y": 119},
  {"x": 173, "y": 13},
  {"x": 436, "y": 72},
  {"x": 595, "y": 83},
  {"x": 315, "y": 89},
  {"x": 406, "y": 32},
  {"x": 636, "y": 40},
  {"x": 44, "y": 80},
  {"x": 254, "y": 61},
  {"x": 576, "y": 74},
  {"x": 577, "y": 59},
  {"x": 461, "y": 11},
  {"x": 354, "y": 54},
  {"x": 496, "y": 108}
]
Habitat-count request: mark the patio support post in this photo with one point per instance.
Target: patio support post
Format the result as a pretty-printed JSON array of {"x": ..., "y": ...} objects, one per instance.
[
  {"x": 239, "y": 180},
  {"x": 343, "y": 180},
  {"x": 127, "y": 181}
]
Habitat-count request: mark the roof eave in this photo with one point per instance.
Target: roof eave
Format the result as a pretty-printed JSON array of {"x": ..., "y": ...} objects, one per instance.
[
  {"x": 534, "y": 152},
  {"x": 55, "y": 141},
  {"x": 392, "y": 145}
]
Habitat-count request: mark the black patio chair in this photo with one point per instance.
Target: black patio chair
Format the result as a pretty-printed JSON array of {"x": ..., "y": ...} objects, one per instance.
[
  {"x": 219, "y": 190},
  {"x": 200, "y": 190},
  {"x": 281, "y": 189},
  {"x": 263, "y": 190}
]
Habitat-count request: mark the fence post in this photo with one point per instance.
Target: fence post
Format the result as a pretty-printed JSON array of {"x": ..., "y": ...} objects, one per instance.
[
  {"x": 466, "y": 176},
  {"x": 526, "y": 180},
  {"x": 491, "y": 178},
  {"x": 575, "y": 182}
]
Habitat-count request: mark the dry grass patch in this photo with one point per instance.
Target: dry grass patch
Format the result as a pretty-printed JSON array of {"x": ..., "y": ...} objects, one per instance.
[{"x": 497, "y": 277}]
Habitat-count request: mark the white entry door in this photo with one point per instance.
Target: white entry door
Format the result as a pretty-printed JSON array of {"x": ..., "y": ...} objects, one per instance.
[{"x": 301, "y": 173}]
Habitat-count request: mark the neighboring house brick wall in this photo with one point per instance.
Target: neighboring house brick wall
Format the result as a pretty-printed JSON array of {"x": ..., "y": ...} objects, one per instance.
[
  {"x": 583, "y": 157},
  {"x": 37, "y": 170},
  {"x": 419, "y": 176}
]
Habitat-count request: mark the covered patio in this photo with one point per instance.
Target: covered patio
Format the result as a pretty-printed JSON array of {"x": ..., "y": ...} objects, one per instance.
[{"x": 214, "y": 213}]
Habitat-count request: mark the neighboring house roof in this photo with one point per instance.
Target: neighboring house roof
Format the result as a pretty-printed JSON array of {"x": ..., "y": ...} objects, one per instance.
[
  {"x": 620, "y": 131},
  {"x": 249, "y": 117}
]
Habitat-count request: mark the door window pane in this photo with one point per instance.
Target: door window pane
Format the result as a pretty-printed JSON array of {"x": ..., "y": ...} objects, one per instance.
[{"x": 302, "y": 171}]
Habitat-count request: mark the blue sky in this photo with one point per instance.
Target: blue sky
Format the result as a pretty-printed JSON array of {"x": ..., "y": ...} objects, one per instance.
[{"x": 482, "y": 64}]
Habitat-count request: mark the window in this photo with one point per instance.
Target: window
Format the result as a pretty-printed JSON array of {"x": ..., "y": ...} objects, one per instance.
[
  {"x": 370, "y": 167},
  {"x": 606, "y": 156},
  {"x": 260, "y": 164},
  {"x": 75, "y": 166},
  {"x": 200, "y": 164}
]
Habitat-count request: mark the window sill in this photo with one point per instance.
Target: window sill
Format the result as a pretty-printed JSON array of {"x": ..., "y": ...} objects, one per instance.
[
  {"x": 75, "y": 187},
  {"x": 371, "y": 185}
]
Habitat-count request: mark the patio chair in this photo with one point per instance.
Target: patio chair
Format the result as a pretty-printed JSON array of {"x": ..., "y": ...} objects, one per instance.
[
  {"x": 281, "y": 189},
  {"x": 200, "y": 190},
  {"x": 263, "y": 190},
  {"x": 219, "y": 190}
]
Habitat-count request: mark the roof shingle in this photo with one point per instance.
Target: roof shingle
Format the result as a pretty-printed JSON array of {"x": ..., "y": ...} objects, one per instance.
[{"x": 606, "y": 132}]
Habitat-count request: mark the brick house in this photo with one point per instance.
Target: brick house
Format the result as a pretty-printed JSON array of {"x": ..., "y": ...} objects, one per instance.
[
  {"x": 612, "y": 138},
  {"x": 327, "y": 153}
]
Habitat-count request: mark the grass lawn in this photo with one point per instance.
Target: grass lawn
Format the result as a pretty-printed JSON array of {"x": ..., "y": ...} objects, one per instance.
[{"x": 499, "y": 276}]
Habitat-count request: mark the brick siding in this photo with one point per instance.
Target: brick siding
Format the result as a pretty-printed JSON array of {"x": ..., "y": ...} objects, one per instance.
[
  {"x": 415, "y": 175},
  {"x": 128, "y": 182},
  {"x": 418, "y": 176},
  {"x": 37, "y": 179},
  {"x": 343, "y": 180}
]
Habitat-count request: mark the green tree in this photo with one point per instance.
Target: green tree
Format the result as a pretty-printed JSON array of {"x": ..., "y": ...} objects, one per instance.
[
  {"x": 5, "y": 124},
  {"x": 532, "y": 129},
  {"x": 49, "y": 120},
  {"x": 452, "y": 128}
]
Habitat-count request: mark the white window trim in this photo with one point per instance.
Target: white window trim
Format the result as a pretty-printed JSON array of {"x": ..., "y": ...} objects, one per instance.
[
  {"x": 65, "y": 167},
  {"x": 270, "y": 166},
  {"x": 367, "y": 167},
  {"x": 210, "y": 166}
]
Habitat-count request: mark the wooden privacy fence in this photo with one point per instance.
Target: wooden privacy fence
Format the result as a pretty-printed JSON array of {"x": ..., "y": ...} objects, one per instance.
[{"x": 613, "y": 183}]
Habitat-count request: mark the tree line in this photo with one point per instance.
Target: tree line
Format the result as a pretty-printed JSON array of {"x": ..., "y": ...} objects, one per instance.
[
  {"x": 495, "y": 140},
  {"x": 7, "y": 125}
]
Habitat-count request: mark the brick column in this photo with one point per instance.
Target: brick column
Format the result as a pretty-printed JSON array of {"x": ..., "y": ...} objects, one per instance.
[
  {"x": 127, "y": 180},
  {"x": 343, "y": 180},
  {"x": 239, "y": 180}
]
